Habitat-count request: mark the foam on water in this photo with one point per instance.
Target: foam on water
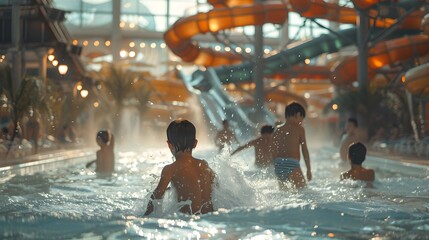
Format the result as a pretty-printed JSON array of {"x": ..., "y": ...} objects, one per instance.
[{"x": 74, "y": 203}]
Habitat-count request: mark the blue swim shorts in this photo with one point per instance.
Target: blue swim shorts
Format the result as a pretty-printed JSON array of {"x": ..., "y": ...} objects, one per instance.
[{"x": 283, "y": 167}]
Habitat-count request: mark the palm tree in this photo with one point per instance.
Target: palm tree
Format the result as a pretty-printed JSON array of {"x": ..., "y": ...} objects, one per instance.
[
  {"x": 29, "y": 94},
  {"x": 378, "y": 107},
  {"x": 117, "y": 86},
  {"x": 142, "y": 95}
]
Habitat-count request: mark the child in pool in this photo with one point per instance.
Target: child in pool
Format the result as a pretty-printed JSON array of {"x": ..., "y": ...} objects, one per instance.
[
  {"x": 105, "y": 162},
  {"x": 357, "y": 153},
  {"x": 192, "y": 178},
  {"x": 288, "y": 140},
  {"x": 262, "y": 144}
]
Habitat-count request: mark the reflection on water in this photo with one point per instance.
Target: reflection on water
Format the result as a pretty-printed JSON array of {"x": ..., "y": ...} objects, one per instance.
[{"x": 75, "y": 203}]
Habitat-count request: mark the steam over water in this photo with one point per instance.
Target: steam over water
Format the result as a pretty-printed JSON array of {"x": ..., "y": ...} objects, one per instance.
[{"x": 75, "y": 203}]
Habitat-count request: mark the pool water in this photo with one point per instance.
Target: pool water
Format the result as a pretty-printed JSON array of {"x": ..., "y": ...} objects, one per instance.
[{"x": 73, "y": 202}]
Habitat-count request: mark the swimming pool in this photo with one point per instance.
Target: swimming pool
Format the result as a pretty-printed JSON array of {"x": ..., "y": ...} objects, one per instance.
[{"x": 73, "y": 203}]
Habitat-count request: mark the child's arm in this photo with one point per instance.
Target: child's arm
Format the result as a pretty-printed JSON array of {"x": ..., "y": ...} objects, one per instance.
[
  {"x": 247, "y": 145},
  {"x": 111, "y": 140},
  {"x": 306, "y": 155},
  {"x": 90, "y": 163},
  {"x": 159, "y": 191}
]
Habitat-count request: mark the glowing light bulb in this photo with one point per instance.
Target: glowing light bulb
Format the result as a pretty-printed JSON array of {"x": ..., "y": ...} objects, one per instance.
[{"x": 84, "y": 93}]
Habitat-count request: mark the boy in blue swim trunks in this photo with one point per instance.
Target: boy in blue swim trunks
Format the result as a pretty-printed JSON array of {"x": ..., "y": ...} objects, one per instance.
[{"x": 288, "y": 140}]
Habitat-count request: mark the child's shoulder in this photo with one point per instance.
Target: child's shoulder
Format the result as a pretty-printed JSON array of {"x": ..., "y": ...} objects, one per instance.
[{"x": 200, "y": 160}]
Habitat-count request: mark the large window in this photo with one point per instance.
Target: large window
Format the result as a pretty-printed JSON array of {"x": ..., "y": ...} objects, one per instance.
[{"x": 159, "y": 15}]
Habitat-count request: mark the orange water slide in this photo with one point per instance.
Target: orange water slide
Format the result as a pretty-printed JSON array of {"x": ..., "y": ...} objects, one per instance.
[
  {"x": 229, "y": 14},
  {"x": 382, "y": 54},
  {"x": 410, "y": 22},
  {"x": 417, "y": 80},
  {"x": 178, "y": 37},
  {"x": 366, "y": 4}
]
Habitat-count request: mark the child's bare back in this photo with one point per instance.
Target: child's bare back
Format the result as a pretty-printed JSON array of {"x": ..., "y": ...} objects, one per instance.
[
  {"x": 192, "y": 179},
  {"x": 105, "y": 161}
]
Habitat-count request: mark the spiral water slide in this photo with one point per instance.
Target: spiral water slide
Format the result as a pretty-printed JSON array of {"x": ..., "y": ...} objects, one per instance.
[
  {"x": 236, "y": 13},
  {"x": 383, "y": 54},
  {"x": 229, "y": 14},
  {"x": 416, "y": 80}
]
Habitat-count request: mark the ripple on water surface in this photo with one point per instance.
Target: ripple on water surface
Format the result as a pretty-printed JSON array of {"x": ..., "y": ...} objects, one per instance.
[{"x": 74, "y": 203}]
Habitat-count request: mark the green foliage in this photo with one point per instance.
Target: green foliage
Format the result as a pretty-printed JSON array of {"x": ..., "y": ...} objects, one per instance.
[
  {"x": 381, "y": 107},
  {"x": 118, "y": 87},
  {"x": 29, "y": 93},
  {"x": 142, "y": 95}
]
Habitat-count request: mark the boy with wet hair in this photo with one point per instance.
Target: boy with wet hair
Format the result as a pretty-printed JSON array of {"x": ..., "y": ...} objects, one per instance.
[
  {"x": 192, "y": 178},
  {"x": 105, "y": 161},
  {"x": 357, "y": 154},
  {"x": 288, "y": 140},
  {"x": 262, "y": 145}
]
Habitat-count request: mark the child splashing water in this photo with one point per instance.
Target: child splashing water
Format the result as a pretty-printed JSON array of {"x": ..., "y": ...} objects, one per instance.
[{"x": 191, "y": 178}]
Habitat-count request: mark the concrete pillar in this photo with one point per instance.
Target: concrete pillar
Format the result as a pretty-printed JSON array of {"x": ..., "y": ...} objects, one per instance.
[
  {"x": 16, "y": 41},
  {"x": 284, "y": 33},
  {"x": 258, "y": 77},
  {"x": 115, "y": 36},
  {"x": 42, "y": 54},
  {"x": 362, "y": 34},
  {"x": 334, "y": 26}
]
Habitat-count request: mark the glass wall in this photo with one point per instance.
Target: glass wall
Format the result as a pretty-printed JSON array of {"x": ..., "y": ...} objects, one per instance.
[
  {"x": 86, "y": 13},
  {"x": 151, "y": 15},
  {"x": 159, "y": 15}
]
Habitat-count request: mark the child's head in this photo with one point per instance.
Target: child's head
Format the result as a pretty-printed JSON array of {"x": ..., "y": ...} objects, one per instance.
[
  {"x": 267, "y": 129},
  {"x": 357, "y": 153},
  {"x": 293, "y": 109},
  {"x": 351, "y": 124},
  {"x": 181, "y": 134},
  {"x": 102, "y": 136}
]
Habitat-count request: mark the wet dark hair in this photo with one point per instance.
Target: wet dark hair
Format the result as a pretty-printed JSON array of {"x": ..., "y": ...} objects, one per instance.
[
  {"x": 181, "y": 134},
  {"x": 357, "y": 153},
  {"x": 293, "y": 109},
  {"x": 103, "y": 135},
  {"x": 354, "y": 121},
  {"x": 225, "y": 122},
  {"x": 267, "y": 129}
]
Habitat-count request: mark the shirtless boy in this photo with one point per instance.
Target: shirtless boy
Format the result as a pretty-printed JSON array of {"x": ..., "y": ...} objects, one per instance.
[
  {"x": 105, "y": 162},
  {"x": 192, "y": 178},
  {"x": 288, "y": 140},
  {"x": 262, "y": 145},
  {"x": 357, "y": 153}
]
